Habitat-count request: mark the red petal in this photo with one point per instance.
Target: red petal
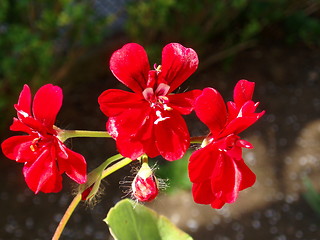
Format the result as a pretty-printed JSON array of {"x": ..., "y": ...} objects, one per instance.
[
  {"x": 178, "y": 63},
  {"x": 233, "y": 111},
  {"x": 43, "y": 175},
  {"x": 233, "y": 183},
  {"x": 240, "y": 124},
  {"x": 75, "y": 166},
  {"x": 18, "y": 148},
  {"x": 18, "y": 125},
  {"x": 217, "y": 203},
  {"x": 247, "y": 108},
  {"x": 136, "y": 140},
  {"x": 24, "y": 102},
  {"x": 248, "y": 177},
  {"x": 211, "y": 110},
  {"x": 244, "y": 144},
  {"x": 226, "y": 180},
  {"x": 52, "y": 185},
  {"x": 202, "y": 192},
  {"x": 129, "y": 122},
  {"x": 113, "y": 102},
  {"x": 243, "y": 92},
  {"x": 236, "y": 177},
  {"x": 147, "y": 137},
  {"x": 183, "y": 102},
  {"x": 130, "y": 66},
  {"x": 150, "y": 148},
  {"x": 172, "y": 135},
  {"x": 226, "y": 186},
  {"x": 47, "y": 103},
  {"x": 235, "y": 153},
  {"x": 130, "y": 148},
  {"x": 203, "y": 163},
  {"x": 131, "y": 129},
  {"x": 61, "y": 150}
]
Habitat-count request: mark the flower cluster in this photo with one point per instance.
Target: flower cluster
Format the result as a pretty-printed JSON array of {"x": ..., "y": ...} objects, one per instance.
[
  {"x": 147, "y": 122},
  {"x": 44, "y": 155},
  {"x": 217, "y": 169}
]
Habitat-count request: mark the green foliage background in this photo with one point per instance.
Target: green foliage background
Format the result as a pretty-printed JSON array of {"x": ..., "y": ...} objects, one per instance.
[
  {"x": 214, "y": 26},
  {"x": 39, "y": 40}
]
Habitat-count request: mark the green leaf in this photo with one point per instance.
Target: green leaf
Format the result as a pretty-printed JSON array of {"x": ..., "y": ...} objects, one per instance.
[
  {"x": 129, "y": 220},
  {"x": 311, "y": 195},
  {"x": 177, "y": 173}
]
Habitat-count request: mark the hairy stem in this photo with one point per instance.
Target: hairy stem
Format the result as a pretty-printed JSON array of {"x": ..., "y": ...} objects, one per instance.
[{"x": 77, "y": 198}]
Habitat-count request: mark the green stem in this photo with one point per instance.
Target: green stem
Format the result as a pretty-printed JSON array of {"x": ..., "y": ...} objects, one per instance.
[
  {"x": 65, "y": 134},
  {"x": 115, "y": 167},
  {"x": 95, "y": 174},
  {"x": 110, "y": 160},
  {"x": 77, "y": 198},
  {"x": 197, "y": 139},
  {"x": 66, "y": 216}
]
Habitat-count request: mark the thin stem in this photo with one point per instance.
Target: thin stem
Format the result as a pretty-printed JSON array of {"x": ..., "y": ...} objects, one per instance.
[
  {"x": 95, "y": 174},
  {"x": 110, "y": 160},
  {"x": 66, "y": 216},
  {"x": 116, "y": 167},
  {"x": 196, "y": 139},
  {"x": 77, "y": 198},
  {"x": 144, "y": 158},
  {"x": 65, "y": 134}
]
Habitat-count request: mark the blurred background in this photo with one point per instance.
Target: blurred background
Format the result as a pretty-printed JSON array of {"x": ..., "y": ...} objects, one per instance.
[{"x": 274, "y": 43}]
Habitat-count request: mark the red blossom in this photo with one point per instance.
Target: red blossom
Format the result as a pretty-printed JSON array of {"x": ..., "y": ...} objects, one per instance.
[
  {"x": 149, "y": 119},
  {"x": 217, "y": 170},
  {"x": 44, "y": 156}
]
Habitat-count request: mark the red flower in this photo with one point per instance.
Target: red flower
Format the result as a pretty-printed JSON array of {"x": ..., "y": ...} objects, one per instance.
[
  {"x": 44, "y": 156},
  {"x": 149, "y": 120},
  {"x": 217, "y": 170}
]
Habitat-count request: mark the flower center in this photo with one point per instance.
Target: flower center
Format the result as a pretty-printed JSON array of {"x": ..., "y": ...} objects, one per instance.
[
  {"x": 224, "y": 144},
  {"x": 35, "y": 144},
  {"x": 41, "y": 140},
  {"x": 156, "y": 90}
]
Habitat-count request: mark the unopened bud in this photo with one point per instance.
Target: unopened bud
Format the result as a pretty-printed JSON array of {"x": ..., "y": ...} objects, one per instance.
[
  {"x": 85, "y": 193},
  {"x": 90, "y": 189},
  {"x": 145, "y": 184}
]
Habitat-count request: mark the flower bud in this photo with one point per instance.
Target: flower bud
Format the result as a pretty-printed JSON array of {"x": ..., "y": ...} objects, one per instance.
[
  {"x": 145, "y": 184},
  {"x": 85, "y": 193},
  {"x": 90, "y": 189}
]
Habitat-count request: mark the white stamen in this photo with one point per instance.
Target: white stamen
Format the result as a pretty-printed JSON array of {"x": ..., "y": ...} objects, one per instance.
[{"x": 160, "y": 118}]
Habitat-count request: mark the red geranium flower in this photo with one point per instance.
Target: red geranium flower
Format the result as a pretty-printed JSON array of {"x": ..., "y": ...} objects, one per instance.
[
  {"x": 149, "y": 120},
  {"x": 217, "y": 170},
  {"x": 44, "y": 156}
]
